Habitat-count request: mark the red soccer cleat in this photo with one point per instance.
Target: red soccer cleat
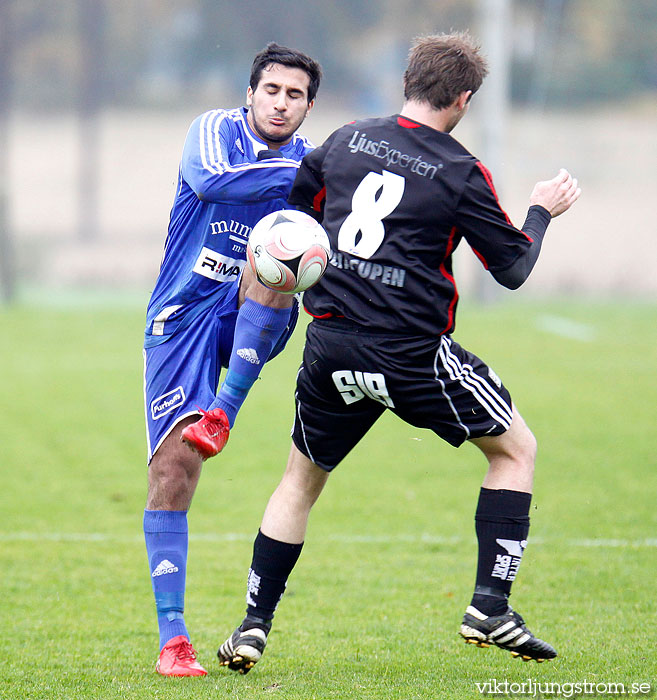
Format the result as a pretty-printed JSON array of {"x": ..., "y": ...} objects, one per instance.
[
  {"x": 178, "y": 658},
  {"x": 209, "y": 435}
]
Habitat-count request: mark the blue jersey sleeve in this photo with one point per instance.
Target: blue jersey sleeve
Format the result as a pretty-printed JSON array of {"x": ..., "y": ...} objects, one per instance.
[{"x": 218, "y": 171}]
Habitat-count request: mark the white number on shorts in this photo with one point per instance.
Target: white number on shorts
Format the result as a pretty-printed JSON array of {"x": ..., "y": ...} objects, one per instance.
[
  {"x": 353, "y": 386},
  {"x": 368, "y": 212}
]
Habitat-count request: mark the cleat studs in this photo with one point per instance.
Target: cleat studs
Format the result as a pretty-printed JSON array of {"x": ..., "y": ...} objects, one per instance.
[
  {"x": 514, "y": 654},
  {"x": 477, "y": 643}
]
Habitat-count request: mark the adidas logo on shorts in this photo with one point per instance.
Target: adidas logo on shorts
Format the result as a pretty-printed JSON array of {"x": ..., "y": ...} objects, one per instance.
[{"x": 250, "y": 355}]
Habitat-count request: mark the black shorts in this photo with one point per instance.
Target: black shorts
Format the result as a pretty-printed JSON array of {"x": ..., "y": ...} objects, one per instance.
[{"x": 348, "y": 378}]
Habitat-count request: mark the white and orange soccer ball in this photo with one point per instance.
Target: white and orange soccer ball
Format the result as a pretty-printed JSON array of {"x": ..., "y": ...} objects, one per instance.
[{"x": 288, "y": 251}]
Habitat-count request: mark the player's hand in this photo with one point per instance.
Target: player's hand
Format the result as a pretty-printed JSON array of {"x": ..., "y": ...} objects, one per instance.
[{"x": 556, "y": 195}]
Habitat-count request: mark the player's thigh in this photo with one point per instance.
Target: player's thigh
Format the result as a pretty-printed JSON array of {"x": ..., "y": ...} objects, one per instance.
[
  {"x": 173, "y": 457},
  {"x": 303, "y": 476},
  {"x": 181, "y": 375},
  {"x": 173, "y": 472},
  {"x": 517, "y": 443}
]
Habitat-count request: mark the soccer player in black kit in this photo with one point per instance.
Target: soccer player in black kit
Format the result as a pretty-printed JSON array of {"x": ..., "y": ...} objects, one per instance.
[{"x": 396, "y": 195}]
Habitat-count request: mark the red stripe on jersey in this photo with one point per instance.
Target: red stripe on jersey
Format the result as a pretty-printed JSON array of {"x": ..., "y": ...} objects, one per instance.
[
  {"x": 407, "y": 123},
  {"x": 481, "y": 257},
  {"x": 443, "y": 270},
  {"x": 489, "y": 179},
  {"x": 328, "y": 315},
  {"x": 318, "y": 199}
]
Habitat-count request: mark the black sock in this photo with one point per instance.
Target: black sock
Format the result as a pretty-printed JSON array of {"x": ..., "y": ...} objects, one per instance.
[
  {"x": 272, "y": 563},
  {"x": 502, "y": 526}
]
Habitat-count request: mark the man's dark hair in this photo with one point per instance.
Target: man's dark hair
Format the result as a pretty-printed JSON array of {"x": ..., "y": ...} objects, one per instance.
[
  {"x": 441, "y": 67},
  {"x": 274, "y": 53}
]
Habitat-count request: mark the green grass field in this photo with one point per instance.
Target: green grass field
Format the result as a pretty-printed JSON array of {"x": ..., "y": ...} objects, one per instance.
[{"x": 374, "y": 605}]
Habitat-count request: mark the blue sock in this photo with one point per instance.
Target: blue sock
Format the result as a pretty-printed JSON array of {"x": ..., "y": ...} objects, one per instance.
[
  {"x": 166, "y": 537},
  {"x": 257, "y": 330}
]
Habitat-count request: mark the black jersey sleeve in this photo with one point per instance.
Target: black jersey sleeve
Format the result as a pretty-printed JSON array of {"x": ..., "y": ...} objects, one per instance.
[
  {"x": 308, "y": 192},
  {"x": 508, "y": 253},
  {"x": 535, "y": 226}
]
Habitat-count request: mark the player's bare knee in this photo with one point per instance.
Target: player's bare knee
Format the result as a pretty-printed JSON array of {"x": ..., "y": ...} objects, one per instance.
[
  {"x": 519, "y": 441},
  {"x": 171, "y": 486},
  {"x": 170, "y": 473},
  {"x": 525, "y": 445},
  {"x": 512, "y": 453},
  {"x": 532, "y": 447},
  {"x": 173, "y": 472},
  {"x": 521, "y": 451},
  {"x": 268, "y": 297},
  {"x": 252, "y": 289}
]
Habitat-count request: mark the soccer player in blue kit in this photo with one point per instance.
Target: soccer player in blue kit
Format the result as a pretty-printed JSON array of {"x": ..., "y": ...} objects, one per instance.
[
  {"x": 396, "y": 195},
  {"x": 208, "y": 311}
]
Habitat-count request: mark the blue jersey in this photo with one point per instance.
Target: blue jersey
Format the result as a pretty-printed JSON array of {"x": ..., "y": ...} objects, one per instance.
[{"x": 222, "y": 191}]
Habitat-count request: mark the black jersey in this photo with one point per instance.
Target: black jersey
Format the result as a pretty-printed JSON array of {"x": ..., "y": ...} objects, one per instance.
[{"x": 396, "y": 197}]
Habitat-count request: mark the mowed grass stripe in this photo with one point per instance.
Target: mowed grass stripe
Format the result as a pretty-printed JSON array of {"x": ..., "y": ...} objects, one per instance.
[{"x": 81, "y": 537}]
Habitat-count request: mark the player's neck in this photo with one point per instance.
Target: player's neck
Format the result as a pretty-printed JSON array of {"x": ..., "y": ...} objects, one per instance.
[{"x": 423, "y": 113}]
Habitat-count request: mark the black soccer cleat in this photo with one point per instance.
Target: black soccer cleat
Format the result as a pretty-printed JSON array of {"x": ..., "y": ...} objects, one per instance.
[
  {"x": 243, "y": 649},
  {"x": 507, "y": 631}
]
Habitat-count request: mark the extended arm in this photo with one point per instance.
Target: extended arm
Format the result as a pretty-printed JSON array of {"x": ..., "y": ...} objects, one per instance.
[
  {"x": 509, "y": 253},
  {"x": 208, "y": 171}
]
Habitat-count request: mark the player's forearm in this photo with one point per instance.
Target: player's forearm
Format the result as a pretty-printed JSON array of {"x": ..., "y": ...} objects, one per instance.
[
  {"x": 253, "y": 182},
  {"x": 534, "y": 227}
]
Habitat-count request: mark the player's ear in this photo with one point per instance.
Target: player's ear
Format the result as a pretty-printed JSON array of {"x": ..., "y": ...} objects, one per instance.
[
  {"x": 311, "y": 104},
  {"x": 249, "y": 96},
  {"x": 462, "y": 100}
]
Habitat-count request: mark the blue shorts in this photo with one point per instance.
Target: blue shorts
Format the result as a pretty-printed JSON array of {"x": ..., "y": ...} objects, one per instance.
[{"x": 182, "y": 374}]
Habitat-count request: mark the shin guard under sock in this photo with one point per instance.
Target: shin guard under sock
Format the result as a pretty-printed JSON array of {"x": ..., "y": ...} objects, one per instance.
[
  {"x": 257, "y": 330},
  {"x": 502, "y": 526},
  {"x": 166, "y": 538},
  {"x": 271, "y": 566}
]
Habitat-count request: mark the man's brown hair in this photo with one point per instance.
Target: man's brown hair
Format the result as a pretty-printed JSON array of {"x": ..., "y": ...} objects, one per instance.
[
  {"x": 441, "y": 67},
  {"x": 274, "y": 53}
]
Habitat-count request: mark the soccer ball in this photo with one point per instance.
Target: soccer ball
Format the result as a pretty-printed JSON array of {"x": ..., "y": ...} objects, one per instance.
[{"x": 288, "y": 251}]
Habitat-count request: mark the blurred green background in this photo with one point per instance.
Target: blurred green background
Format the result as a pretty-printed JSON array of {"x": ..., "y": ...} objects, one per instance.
[{"x": 96, "y": 98}]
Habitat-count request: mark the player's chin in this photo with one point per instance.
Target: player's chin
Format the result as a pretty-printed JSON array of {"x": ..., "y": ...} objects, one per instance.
[{"x": 280, "y": 134}]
